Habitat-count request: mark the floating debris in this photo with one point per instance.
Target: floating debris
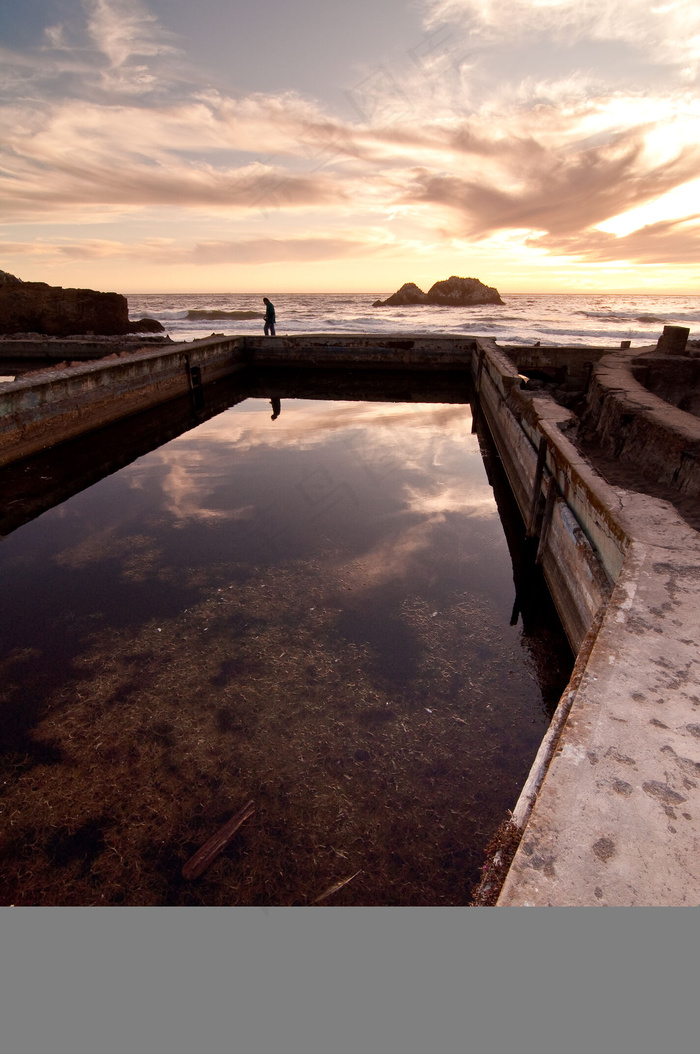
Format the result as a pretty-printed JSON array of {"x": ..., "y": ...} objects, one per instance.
[
  {"x": 335, "y": 887},
  {"x": 201, "y": 860}
]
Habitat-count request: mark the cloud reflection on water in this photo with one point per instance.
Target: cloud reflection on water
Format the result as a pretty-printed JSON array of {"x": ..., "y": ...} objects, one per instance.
[{"x": 393, "y": 446}]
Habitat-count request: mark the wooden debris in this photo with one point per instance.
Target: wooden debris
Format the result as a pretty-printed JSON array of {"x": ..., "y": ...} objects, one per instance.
[
  {"x": 216, "y": 844},
  {"x": 335, "y": 887}
]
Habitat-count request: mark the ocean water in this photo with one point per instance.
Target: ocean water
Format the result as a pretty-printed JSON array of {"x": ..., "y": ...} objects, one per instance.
[{"x": 571, "y": 319}]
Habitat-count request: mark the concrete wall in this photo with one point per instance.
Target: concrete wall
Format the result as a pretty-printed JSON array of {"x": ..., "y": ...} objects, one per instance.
[
  {"x": 610, "y": 813},
  {"x": 583, "y": 545},
  {"x": 44, "y": 409},
  {"x": 570, "y": 367},
  {"x": 21, "y": 356},
  {"x": 363, "y": 351},
  {"x": 61, "y": 403},
  {"x": 638, "y": 427},
  {"x": 676, "y": 380}
]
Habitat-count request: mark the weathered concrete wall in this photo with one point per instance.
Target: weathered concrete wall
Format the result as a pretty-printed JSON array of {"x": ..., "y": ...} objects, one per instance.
[
  {"x": 365, "y": 351},
  {"x": 33, "y": 354},
  {"x": 616, "y": 820},
  {"x": 638, "y": 427},
  {"x": 610, "y": 812},
  {"x": 48, "y": 408},
  {"x": 583, "y": 547},
  {"x": 675, "y": 380},
  {"x": 570, "y": 367},
  {"x": 45, "y": 409}
]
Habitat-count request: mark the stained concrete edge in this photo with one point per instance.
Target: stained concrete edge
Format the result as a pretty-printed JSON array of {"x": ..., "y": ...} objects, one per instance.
[
  {"x": 611, "y": 808},
  {"x": 617, "y": 819}
]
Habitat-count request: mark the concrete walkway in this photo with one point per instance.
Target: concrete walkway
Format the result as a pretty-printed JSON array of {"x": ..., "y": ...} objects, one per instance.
[{"x": 617, "y": 820}]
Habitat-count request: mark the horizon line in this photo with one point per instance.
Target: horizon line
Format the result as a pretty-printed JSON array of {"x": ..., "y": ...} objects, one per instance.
[{"x": 350, "y": 292}]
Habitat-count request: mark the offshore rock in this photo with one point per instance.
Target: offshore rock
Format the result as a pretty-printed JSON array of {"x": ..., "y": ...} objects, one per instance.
[
  {"x": 452, "y": 292},
  {"x": 35, "y": 307},
  {"x": 409, "y": 293},
  {"x": 462, "y": 292},
  {"x": 146, "y": 325}
]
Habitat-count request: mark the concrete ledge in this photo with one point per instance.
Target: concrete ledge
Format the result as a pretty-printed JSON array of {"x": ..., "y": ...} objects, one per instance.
[
  {"x": 49, "y": 350},
  {"x": 637, "y": 426},
  {"x": 44, "y": 409},
  {"x": 570, "y": 366},
  {"x": 584, "y": 543},
  {"x": 617, "y": 819},
  {"x": 363, "y": 351},
  {"x": 611, "y": 810}
]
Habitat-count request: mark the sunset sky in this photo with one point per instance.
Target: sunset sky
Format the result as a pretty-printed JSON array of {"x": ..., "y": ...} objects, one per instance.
[{"x": 313, "y": 145}]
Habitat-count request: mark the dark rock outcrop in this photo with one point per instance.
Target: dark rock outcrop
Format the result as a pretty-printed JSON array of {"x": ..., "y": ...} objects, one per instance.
[
  {"x": 35, "y": 307},
  {"x": 409, "y": 293},
  {"x": 461, "y": 292},
  {"x": 146, "y": 325},
  {"x": 452, "y": 292}
]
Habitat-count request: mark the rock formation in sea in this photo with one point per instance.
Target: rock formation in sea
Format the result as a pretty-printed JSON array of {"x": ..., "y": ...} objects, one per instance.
[
  {"x": 409, "y": 293},
  {"x": 452, "y": 292},
  {"x": 35, "y": 307},
  {"x": 146, "y": 325}
]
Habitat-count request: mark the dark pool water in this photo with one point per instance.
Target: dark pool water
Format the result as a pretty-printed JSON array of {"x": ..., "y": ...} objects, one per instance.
[{"x": 313, "y": 612}]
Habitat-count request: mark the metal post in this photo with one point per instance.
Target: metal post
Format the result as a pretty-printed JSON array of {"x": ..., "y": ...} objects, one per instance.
[
  {"x": 547, "y": 517},
  {"x": 537, "y": 488},
  {"x": 479, "y": 368}
]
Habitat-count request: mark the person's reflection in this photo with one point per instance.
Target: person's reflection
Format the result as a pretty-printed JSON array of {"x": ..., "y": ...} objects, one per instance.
[{"x": 276, "y": 408}]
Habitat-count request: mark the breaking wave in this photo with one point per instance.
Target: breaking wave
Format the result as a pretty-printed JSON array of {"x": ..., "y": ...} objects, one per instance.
[{"x": 214, "y": 313}]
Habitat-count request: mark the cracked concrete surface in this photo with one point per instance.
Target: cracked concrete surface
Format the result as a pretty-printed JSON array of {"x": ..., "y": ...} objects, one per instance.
[{"x": 617, "y": 819}]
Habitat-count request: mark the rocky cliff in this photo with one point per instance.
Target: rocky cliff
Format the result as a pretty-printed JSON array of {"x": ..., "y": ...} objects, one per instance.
[
  {"x": 452, "y": 292},
  {"x": 35, "y": 307}
]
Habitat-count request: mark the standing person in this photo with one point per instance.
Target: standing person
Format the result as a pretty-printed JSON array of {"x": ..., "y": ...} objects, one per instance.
[{"x": 269, "y": 317}]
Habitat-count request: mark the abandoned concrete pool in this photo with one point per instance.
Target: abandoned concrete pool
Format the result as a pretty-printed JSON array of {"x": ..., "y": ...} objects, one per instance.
[{"x": 344, "y": 632}]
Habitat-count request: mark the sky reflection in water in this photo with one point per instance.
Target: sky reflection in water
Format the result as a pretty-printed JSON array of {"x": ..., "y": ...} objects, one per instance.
[
  {"x": 392, "y": 497},
  {"x": 312, "y": 611}
]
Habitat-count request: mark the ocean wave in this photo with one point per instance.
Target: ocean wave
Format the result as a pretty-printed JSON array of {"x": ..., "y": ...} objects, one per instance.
[
  {"x": 682, "y": 316},
  {"x": 607, "y": 316},
  {"x": 174, "y": 315},
  {"x": 214, "y": 313},
  {"x": 480, "y": 324},
  {"x": 644, "y": 319}
]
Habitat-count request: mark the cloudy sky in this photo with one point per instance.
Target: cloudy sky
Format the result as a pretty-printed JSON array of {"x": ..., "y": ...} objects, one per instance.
[{"x": 289, "y": 145}]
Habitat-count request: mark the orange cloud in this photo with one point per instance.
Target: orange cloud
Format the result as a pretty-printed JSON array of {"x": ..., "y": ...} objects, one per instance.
[{"x": 164, "y": 251}]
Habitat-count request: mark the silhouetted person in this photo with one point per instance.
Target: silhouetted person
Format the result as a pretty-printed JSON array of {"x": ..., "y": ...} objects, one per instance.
[
  {"x": 275, "y": 403},
  {"x": 269, "y": 317}
]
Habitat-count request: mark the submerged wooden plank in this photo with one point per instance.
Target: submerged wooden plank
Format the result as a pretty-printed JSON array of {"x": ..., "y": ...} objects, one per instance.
[
  {"x": 205, "y": 856},
  {"x": 336, "y": 886}
]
